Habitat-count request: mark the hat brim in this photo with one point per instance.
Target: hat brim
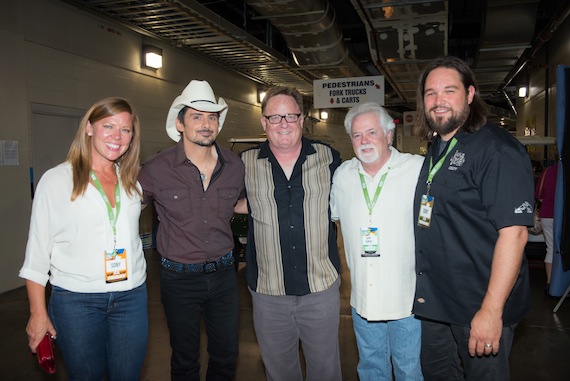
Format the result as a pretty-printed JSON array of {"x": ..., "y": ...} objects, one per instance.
[{"x": 221, "y": 107}]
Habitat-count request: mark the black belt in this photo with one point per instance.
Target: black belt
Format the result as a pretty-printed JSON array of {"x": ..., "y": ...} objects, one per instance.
[{"x": 206, "y": 267}]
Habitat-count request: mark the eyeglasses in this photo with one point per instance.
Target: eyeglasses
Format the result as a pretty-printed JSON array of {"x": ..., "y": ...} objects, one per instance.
[{"x": 276, "y": 119}]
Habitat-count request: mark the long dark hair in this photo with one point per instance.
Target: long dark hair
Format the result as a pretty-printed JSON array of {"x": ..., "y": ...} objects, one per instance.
[{"x": 477, "y": 109}]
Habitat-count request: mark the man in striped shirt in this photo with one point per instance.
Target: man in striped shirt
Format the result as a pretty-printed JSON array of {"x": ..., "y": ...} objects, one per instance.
[{"x": 292, "y": 258}]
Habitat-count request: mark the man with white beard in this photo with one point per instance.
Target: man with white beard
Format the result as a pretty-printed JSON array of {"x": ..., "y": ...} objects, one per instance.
[{"x": 372, "y": 196}]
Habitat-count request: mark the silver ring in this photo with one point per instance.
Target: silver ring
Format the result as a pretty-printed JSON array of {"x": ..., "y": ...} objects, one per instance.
[{"x": 488, "y": 346}]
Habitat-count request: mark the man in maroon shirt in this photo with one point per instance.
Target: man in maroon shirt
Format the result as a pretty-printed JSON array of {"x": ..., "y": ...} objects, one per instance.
[{"x": 195, "y": 186}]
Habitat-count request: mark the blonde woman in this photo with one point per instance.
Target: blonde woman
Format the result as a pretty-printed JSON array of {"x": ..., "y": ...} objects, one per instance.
[{"x": 84, "y": 240}]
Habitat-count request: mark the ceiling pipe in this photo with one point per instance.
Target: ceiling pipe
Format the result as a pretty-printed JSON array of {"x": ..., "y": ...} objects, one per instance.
[
  {"x": 313, "y": 35},
  {"x": 379, "y": 61},
  {"x": 544, "y": 36},
  {"x": 509, "y": 101}
]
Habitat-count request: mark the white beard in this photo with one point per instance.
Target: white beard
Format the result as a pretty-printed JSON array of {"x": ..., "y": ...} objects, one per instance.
[{"x": 369, "y": 157}]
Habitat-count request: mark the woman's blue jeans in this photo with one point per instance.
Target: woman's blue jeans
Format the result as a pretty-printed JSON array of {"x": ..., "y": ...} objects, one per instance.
[{"x": 101, "y": 332}]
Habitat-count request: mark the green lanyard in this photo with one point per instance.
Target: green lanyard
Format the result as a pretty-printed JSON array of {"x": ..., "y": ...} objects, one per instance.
[
  {"x": 369, "y": 203},
  {"x": 433, "y": 169},
  {"x": 112, "y": 216}
]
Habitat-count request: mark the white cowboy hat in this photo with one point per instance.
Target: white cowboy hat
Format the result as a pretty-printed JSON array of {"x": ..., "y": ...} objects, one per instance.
[{"x": 199, "y": 96}]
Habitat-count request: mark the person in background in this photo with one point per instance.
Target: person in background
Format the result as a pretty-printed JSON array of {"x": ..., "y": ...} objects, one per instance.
[
  {"x": 84, "y": 238},
  {"x": 537, "y": 170},
  {"x": 544, "y": 191},
  {"x": 195, "y": 186},
  {"x": 292, "y": 258},
  {"x": 373, "y": 196},
  {"x": 473, "y": 204}
]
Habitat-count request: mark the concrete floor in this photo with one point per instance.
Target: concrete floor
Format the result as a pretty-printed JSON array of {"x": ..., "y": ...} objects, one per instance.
[{"x": 540, "y": 350}]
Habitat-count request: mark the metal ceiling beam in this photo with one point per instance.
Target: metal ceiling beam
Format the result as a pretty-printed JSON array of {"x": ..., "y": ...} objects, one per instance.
[
  {"x": 188, "y": 25},
  {"x": 400, "y": 41}
]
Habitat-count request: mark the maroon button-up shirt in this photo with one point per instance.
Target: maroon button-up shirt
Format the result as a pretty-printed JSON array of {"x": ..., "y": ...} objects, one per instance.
[{"x": 194, "y": 223}]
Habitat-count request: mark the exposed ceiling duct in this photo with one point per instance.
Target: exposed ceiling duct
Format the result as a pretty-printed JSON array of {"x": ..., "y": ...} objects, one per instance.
[
  {"x": 403, "y": 36},
  {"x": 313, "y": 36},
  {"x": 398, "y": 38}
]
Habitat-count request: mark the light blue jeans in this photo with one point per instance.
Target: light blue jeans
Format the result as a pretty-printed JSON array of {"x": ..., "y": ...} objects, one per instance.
[
  {"x": 101, "y": 332},
  {"x": 380, "y": 341}
]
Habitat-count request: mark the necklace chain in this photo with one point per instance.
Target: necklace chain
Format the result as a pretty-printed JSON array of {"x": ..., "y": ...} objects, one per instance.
[{"x": 202, "y": 174}]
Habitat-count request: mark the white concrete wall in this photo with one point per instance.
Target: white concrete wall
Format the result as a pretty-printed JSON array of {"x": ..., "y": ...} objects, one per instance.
[{"x": 56, "y": 55}]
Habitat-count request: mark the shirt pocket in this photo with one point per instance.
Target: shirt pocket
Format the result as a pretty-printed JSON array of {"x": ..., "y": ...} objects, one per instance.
[
  {"x": 176, "y": 202},
  {"x": 227, "y": 198},
  {"x": 455, "y": 181}
]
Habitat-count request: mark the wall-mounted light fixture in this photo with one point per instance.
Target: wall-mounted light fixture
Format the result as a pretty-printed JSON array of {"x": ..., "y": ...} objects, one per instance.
[
  {"x": 522, "y": 91},
  {"x": 324, "y": 115},
  {"x": 261, "y": 94},
  {"x": 152, "y": 57}
]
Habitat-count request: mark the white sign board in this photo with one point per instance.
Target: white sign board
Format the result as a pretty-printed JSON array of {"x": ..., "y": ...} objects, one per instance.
[
  {"x": 409, "y": 122},
  {"x": 409, "y": 118},
  {"x": 348, "y": 92}
]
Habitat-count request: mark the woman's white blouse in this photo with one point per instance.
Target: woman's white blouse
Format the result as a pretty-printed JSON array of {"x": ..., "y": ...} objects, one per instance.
[{"x": 68, "y": 239}]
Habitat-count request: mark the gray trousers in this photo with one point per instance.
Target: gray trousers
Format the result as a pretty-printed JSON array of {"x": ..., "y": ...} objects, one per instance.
[{"x": 281, "y": 322}]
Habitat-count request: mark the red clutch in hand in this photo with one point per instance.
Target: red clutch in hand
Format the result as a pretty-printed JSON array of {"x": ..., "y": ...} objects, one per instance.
[{"x": 45, "y": 354}]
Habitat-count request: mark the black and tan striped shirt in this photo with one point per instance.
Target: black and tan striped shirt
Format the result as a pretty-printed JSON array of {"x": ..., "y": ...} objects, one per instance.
[{"x": 291, "y": 246}]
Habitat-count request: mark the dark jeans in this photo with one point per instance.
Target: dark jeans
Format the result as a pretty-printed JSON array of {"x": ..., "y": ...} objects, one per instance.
[
  {"x": 445, "y": 354},
  {"x": 188, "y": 296},
  {"x": 101, "y": 332}
]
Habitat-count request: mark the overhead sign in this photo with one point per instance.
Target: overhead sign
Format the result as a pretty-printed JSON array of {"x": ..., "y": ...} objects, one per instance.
[{"x": 348, "y": 92}]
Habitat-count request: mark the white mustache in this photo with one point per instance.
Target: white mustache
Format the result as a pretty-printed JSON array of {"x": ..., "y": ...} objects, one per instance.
[{"x": 366, "y": 146}]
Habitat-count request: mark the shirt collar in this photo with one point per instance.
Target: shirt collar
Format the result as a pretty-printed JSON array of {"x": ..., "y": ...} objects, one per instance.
[
  {"x": 440, "y": 146},
  {"x": 463, "y": 137},
  {"x": 306, "y": 149},
  {"x": 394, "y": 153},
  {"x": 180, "y": 156}
]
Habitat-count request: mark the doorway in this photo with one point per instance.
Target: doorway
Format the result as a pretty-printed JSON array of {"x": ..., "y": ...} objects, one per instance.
[{"x": 53, "y": 130}]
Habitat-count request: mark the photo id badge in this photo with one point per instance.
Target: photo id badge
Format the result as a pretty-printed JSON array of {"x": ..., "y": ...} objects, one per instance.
[
  {"x": 426, "y": 207},
  {"x": 115, "y": 265},
  {"x": 369, "y": 239}
]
